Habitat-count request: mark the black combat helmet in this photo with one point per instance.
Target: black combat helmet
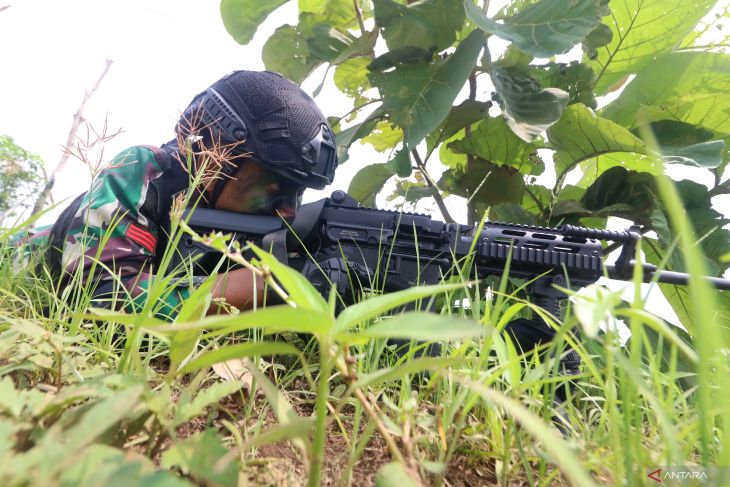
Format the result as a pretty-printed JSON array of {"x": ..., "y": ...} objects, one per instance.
[{"x": 268, "y": 116}]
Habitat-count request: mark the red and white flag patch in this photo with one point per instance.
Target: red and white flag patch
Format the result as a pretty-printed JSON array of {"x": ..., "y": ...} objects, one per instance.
[{"x": 141, "y": 236}]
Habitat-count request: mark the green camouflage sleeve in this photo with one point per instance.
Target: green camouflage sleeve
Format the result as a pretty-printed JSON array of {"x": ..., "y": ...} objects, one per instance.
[{"x": 115, "y": 230}]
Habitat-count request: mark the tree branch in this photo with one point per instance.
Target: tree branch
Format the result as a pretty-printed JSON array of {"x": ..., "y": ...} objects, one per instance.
[
  {"x": 435, "y": 191},
  {"x": 358, "y": 108},
  {"x": 470, "y": 159},
  {"x": 722, "y": 188},
  {"x": 535, "y": 199},
  {"x": 78, "y": 118},
  {"x": 358, "y": 13}
]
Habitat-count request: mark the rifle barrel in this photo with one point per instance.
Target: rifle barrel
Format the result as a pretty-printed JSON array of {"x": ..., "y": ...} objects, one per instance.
[{"x": 669, "y": 277}]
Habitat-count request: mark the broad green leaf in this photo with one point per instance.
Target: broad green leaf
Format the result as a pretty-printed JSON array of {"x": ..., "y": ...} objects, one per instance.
[
  {"x": 492, "y": 140},
  {"x": 410, "y": 191},
  {"x": 187, "y": 410},
  {"x": 529, "y": 109},
  {"x": 423, "y": 326},
  {"x": 537, "y": 200},
  {"x": 384, "y": 137},
  {"x": 299, "y": 289},
  {"x": 368, "y": 182},
  {"x": 375, "y": 306},
  {"x": 705, "y": 154},
  {"x": 690, "y": 87},
  {"x": 568, "y": 208},
  {"x": 546, "y": 28},
  {"x": 428, "y": 24},
  {"x": 401, "y": 163},
  {"x": 513, "y": 213},
  {"x": 642, "y": 30},
  {"x": 204, "y": 458},
  {"x": 286, "y": 52},
  {"x": 396, "y": 474},
  {"x": 338, "y": 14},
  {"x": 681, "y": 300},
  {"x": 98, "y": 419},
  {"x": 346, "y": 137},
  {"x": 580, "y": 135},
  {"x": 594, "y": 308},
  {"x": 351, "y": 78},
  {"x": 574, "y": 78},
  {"x": 11, "y": 402},
  {"x": 103, "y": 465},
  {"x": 486, "y": 185},
  {"x": 399, "y": 56},
  {"x": 361, "y": 46},
  {"x": 241, "y": 18},
  {"x": 707, "y": 222},
  {"x": 593, "y": 168},
  {"x": 599, "y": 37},
  {"x": 418, "y": 98},
  {"x": 634, "y": 192},
  {"x": 326, "y": 43},
  {"x": 240, "y": 350},
  {"x": 466, "y": 113},
  {"x": 8, "y": 430},
  {"x": 673, "y": 133},
  {"x": 447, "y": 156}
]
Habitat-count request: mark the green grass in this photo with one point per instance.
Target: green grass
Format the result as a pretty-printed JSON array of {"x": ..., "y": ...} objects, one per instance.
[{"x": 91, "y": 396}]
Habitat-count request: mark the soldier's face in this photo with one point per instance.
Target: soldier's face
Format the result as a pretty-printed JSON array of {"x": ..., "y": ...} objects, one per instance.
[{"x": 257, "y": 190}]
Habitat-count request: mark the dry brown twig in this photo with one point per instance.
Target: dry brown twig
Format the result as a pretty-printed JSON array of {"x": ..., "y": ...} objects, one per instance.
[
  {"x": 201, "y": 158},
  {"x": 93, "y": 143},
  {"x": 77, "y": 120}
]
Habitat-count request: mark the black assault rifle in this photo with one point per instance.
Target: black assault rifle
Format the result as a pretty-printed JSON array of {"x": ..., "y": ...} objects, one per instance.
[{"x": 335, "y": 239}]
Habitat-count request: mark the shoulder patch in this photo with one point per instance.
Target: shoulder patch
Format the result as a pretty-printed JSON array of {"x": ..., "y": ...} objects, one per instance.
[{"x": 141, "y": 236}]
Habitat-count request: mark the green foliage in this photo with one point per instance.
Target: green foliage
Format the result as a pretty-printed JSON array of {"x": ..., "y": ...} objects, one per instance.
[
  {"x": 430, "y": 78},
  {"x": 528, "y": 108},
  {"x": 418, "y": 97},
  {"x": 368, "y": 182},
  {"x": 581, "y": 135},
  {"x": 429, "y": 25},
  {"x": 286, "y": 52},
  {"x": 242, "y": 17},
  {"x": 689, "y": 87},
  {"x": 642, "y": 30},
  {"x": 545, "y": 28},
  {"x": 493, "y": 141},
  {"x": 21, "y": 175}
]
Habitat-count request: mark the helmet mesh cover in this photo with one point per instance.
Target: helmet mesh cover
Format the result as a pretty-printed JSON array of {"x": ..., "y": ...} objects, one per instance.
[{"x": 271, "y": 106}]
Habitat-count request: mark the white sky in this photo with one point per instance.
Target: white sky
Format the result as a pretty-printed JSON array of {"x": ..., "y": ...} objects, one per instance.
[{"x": 164, "y": 52}]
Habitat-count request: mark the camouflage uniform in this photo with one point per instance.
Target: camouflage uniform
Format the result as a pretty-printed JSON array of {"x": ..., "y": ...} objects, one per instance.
[{"x": 120, "y": 227}]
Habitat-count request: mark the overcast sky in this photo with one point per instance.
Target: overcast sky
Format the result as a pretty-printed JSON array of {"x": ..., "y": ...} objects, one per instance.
[{"x": 163, "y": 53}]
